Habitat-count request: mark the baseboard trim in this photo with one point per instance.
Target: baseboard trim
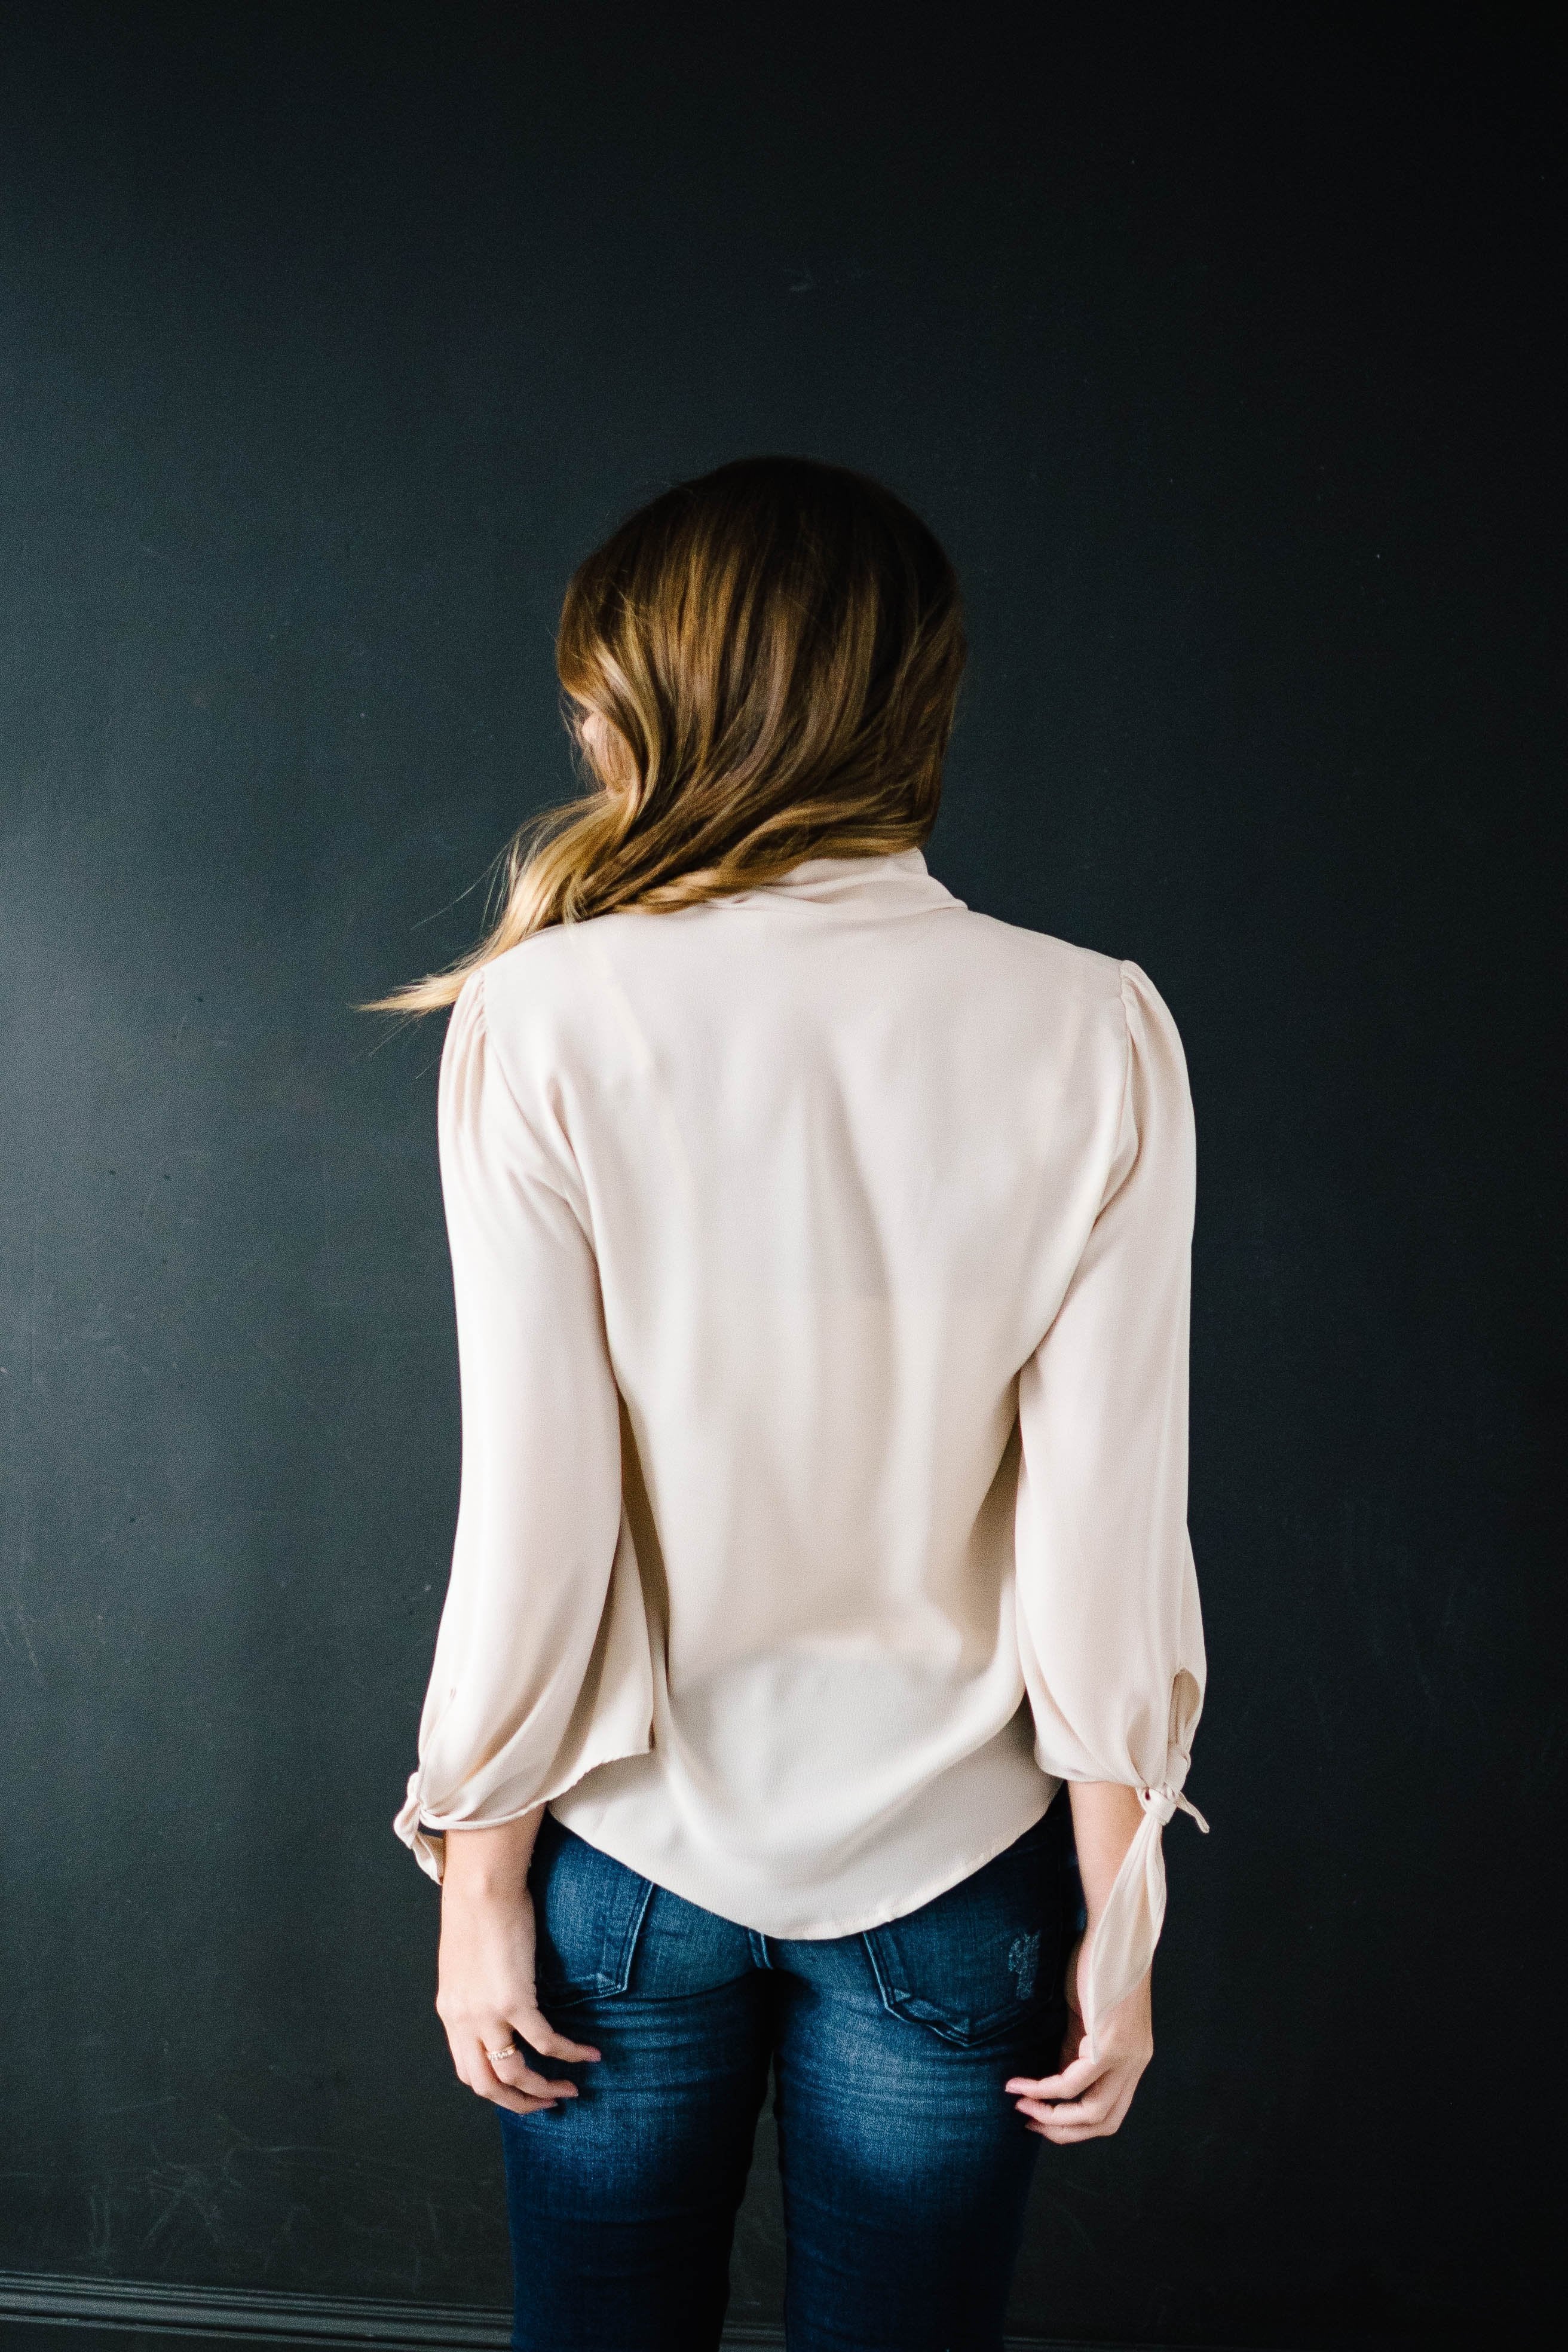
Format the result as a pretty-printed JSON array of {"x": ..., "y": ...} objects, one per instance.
[{"x": 249, "y": 2315}]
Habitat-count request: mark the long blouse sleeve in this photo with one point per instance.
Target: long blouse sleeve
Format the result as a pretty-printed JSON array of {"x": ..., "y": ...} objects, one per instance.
[
  {"x": 540, "y": 1668},
  {"x": 1109, "y": 1629}
]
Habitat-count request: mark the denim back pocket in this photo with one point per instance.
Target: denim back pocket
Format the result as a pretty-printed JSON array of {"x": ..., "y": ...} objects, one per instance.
[
  {"x": 988, "y": 1957},
  {"x": 587, "y": 1910}
]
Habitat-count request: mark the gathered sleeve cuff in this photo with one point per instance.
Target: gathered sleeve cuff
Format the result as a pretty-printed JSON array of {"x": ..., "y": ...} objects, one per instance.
[
  {"x": 1109, "y": 1629},
  {"x": 542, "y": 1668}
]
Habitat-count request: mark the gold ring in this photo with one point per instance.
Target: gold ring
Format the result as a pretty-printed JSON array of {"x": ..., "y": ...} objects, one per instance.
[{"x": 511, "y": 2051}]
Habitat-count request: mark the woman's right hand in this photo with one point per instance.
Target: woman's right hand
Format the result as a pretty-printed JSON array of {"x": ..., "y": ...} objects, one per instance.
[
  {"x": 485, "y": 1989},
  {"x": 1087, "y": 2098}
]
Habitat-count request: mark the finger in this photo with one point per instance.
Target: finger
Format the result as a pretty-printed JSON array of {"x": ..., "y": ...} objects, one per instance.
[
  {"x": 1095, "y": 2119},
  {"x": 1060, "y": 2125},
  {"x": 1078, "y": 2111},
  {"x": 517, "y": 2104},
  {"x": 541, "y": 2035},
  {"x": 1071, "y": 2080},
  {"x": 1065, "y": 2138},
  {"x": 538, "y": 2033},
  {"x": 483, "y": 2082},
  {"x": 474, "y": 2071},
  {"x": 513, "y": 2069},
  {"x": 499, "y": 2050}
]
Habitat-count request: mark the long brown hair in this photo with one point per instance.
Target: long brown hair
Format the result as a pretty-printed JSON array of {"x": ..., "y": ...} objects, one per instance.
[{"x": 762, "y": 667}]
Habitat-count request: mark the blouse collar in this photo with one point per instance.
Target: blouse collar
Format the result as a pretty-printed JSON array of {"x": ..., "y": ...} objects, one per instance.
[{"x": 899, "y": 883}]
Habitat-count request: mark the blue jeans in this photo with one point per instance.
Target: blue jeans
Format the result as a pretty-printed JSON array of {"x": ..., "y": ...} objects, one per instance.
[{"x": 905, "y": 2164}]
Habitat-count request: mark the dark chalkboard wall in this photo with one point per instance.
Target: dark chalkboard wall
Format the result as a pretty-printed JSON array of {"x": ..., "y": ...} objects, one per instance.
[{"x": 1216, "y": 344}]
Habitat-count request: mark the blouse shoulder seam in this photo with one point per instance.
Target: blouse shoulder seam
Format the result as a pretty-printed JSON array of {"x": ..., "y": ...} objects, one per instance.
[
  {"x": 1124, "y": 1092},
  {"x": 548, "y": 1176},
  {"x": 1123, "y": 986},
  {"x": 482, "y": 1023}
]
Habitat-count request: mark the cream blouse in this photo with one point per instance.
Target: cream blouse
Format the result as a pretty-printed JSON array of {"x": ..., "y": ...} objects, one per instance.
[{"x": 821, "y": 1259}]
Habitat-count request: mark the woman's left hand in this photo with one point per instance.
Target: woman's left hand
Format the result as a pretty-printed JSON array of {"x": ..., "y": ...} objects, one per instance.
[
  {"x": 1087, "y": 2097},
  {"x": 485, "y": 1973}
]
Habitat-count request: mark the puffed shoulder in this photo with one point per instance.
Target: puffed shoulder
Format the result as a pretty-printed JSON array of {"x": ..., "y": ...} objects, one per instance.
[
  {"x": 1157, "y": 1130},
  {"x": 492, "y": 1120},
  {"x": 1157, "y": 1061},
  {"x": 538, "y": 993},
  {"x": 463, "y": 1044},
  {"x": 1150, "y": 1021}
]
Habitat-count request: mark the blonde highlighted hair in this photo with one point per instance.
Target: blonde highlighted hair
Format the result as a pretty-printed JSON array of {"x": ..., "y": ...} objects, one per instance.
[{"x": 762, "y": 667}]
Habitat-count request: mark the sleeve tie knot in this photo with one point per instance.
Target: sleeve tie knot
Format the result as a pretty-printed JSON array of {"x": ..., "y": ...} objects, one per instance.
[{"x": 1165, "y": 1802}]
